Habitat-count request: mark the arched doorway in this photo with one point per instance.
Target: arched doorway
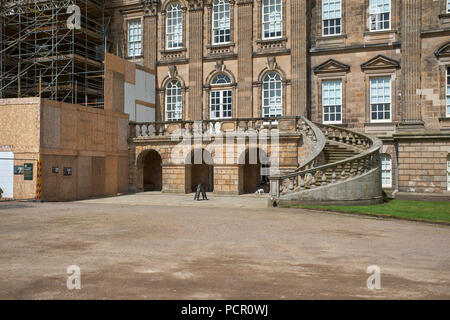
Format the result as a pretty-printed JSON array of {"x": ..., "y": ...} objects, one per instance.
[
  {"x": 201, "y": 172},
  {"x": 152, "y": 175},
  {"x": 255, "y": 171}
]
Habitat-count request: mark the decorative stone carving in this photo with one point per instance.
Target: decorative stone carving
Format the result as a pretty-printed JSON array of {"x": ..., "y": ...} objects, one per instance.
[
  {"x": 271, "y": 45},
  {"x": 220, "y": 67},
  {"x": 195, "y": 5},
  {"x": 150, "y": 7},
  {"x": 173, "y": 72},
  {"x": 272, "y": 62}
]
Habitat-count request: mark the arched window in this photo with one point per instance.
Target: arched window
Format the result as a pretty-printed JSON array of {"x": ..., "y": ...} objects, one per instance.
[
  {"x": 272, "y": 95},
  {"x": 174, "y": 104},
  {"x": 174, "y": 26},
  {"x": 221, "y": 21},
  {"x": 221, "y": 79},
  {"x": 386, "y": 171},
  {"x": 221, "y": 99},
  {"x": 271, "y": 19}
]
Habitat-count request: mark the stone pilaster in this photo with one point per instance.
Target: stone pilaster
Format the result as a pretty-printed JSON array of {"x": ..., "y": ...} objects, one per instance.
[
  {"x": 299, "y": 50},
  {"x": 150, "y": 36},
  {"x": 411, "y": 64},
  {"x": 195, "y": 60},
  {"x": 245, "y": 63}
]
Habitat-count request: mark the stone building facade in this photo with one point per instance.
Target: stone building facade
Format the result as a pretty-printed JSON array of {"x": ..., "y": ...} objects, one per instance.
[{"x": 379, "y": 67}]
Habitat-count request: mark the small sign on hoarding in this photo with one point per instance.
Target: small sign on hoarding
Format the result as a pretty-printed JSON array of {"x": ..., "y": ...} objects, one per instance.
[{"x": 28, "y": 172}]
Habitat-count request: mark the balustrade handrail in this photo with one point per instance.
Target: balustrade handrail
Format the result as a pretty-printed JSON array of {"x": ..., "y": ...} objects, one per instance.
[
  {"x": 159, "y": 128},
  {"x": 363, "y": 137},
  {"x": 321, "y": 141},
  {"x": 218, "y": 120}
]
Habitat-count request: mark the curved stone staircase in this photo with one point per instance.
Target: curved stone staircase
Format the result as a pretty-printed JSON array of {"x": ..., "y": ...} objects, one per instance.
[{"x": 345, "y": 169}]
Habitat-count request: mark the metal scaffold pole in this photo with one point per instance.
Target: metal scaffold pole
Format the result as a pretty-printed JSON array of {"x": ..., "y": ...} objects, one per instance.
[{"x": 40, "y": 54}]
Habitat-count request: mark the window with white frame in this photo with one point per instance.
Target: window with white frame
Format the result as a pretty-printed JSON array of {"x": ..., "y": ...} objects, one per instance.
[
  {"x": 332, "y": 101},
  {"x": 380, "y": 15},
  {"x": 174, "y": 26},
  {"x": 386, "y": 171},
  {"x": 380, "y": 99},
  {"x": 271, "y": 19},
  {"x": 221, "y": 21},
  {"x": 272, "y": 95},
  {"x": 448, "y": 173},
  {"x": 221, "y": 99},
  {"x": 174, "y": 104},
  {"x": 331, "y": 17},
  {"x": 134, "y": 38},
  {"x": 448, "y": 93}
]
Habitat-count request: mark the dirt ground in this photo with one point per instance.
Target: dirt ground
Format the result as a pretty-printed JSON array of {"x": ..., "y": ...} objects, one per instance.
[{"x": 153, "y": 246}]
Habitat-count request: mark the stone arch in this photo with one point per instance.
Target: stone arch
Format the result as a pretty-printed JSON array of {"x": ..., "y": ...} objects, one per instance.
[
  {"x": 145, "y": 149},
  {"x": 272, "y": 66},
  {"x": 167, "y": 2},
  {"x": 149, "y": 170},
  {"x": 220, "y": 68},
  {"x": 254, "y": 164},
  {"x": 196, "y": 173},
  {"x": 172, "y": 75},
  {"x": 443, "y": 50}
]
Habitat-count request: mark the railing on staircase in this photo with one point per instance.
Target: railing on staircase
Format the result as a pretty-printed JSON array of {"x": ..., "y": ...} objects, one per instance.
[{"x": 310, "y": 177}]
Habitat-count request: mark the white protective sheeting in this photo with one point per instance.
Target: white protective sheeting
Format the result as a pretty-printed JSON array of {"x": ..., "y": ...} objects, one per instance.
[
  {"x": 143, "y": 90},
  {"x": 145, "y": 114},
  {"x": 7, "y": 174}
]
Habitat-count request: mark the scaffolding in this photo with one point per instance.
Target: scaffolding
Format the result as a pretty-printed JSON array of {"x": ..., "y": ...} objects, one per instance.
[{"x": 41, "y": 55}]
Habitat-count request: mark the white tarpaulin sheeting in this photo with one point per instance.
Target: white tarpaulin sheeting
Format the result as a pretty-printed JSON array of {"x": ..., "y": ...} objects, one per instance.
[{"x": 7, "y": 174}]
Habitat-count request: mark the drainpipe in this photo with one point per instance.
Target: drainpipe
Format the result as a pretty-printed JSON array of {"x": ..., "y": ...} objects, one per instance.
[{"x": 396, "y": 168}]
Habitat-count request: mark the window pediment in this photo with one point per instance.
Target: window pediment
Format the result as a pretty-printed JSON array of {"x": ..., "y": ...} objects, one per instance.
[
  {"x": 443, "y": 51},
  {"x": 380, "y": 62},
  {"x": 331, "y": 66}
]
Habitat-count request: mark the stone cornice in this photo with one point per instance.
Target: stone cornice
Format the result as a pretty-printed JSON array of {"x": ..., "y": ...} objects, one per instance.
[
  {"x": 375, "y": 46},
  {"x": 435, "y": 32},
  {"x": 244, "y": 2},
  {"x": 421, "y": 135}
]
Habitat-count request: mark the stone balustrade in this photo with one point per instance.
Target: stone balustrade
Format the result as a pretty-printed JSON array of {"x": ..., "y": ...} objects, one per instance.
[
  {"x": 309, "y": 177},
  {"x": 348, "y": 137},
  {"x": 286, "y": 125}
]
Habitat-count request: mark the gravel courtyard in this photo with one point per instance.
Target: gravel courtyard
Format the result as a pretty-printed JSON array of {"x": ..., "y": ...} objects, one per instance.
[{"x": 156, "y": 246}]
